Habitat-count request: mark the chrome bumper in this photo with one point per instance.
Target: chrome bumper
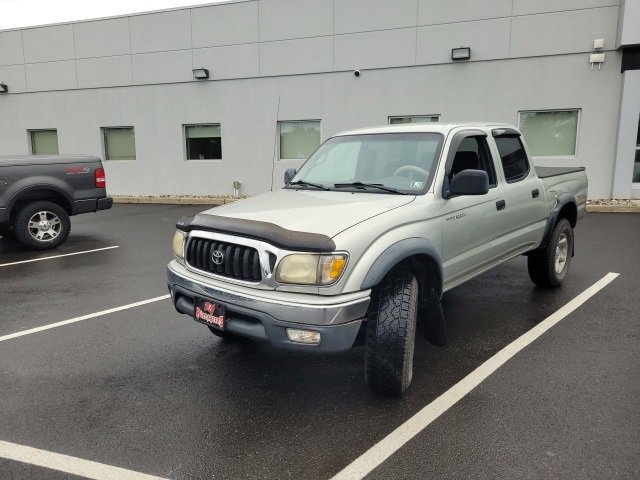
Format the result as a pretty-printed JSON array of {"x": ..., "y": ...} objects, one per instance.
[{"x": 265, "y": 314}]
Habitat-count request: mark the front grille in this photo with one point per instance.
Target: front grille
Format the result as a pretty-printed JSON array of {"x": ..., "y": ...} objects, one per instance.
[{"x": 236, "y": 261}]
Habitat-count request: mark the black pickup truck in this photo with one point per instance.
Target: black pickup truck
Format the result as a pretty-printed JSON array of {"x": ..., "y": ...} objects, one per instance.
[{"x": 39, "y": 193}]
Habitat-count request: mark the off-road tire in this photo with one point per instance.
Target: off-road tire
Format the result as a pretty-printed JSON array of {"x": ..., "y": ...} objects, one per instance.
[
  {"x": 24, "y": 234},
  {"x": 391, "y": 332},
  {"x": 549, "y": 267}
]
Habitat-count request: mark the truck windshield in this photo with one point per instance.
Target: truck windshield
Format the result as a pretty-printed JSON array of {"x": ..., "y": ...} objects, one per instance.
[{"x": 400, "y": 162}]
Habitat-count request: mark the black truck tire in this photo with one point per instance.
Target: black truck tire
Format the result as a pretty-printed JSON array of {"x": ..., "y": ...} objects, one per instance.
[
  {"x": 41, "y": 225},
  {"x": 391, "y": 333},
  {"x": 549, "y": 267}
]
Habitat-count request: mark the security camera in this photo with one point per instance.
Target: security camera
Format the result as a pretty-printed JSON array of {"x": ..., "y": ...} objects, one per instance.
[{"x": 356, "y": 73}]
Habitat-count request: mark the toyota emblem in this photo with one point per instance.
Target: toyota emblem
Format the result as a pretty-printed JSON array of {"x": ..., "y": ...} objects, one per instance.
[{"x": 217, "y": 257}]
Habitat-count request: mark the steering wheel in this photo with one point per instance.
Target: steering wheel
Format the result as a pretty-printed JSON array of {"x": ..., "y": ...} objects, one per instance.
[{"x": 410, "y": 169}]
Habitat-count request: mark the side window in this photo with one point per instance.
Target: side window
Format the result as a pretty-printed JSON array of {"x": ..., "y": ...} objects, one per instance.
[
  {"x": 473, "y": 153},
  {"x": 514, "y": 158}
]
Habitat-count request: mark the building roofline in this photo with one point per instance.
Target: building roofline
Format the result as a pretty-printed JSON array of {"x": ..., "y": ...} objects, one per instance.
[{"x": 126, "y": 15}]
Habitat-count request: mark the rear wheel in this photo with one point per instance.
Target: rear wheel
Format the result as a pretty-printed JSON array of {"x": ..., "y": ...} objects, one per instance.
[
  {"x": 549, "y": 267},
  {"x": 390, "y": 333},
  {"x": 41, "y": 225}
]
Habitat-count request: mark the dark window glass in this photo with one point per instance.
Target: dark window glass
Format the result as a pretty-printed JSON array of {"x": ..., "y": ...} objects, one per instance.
[
  {"x": 203, "y": 142},
  {"x": 514, "y": 158},
  {"x": 473, "y": 153}
]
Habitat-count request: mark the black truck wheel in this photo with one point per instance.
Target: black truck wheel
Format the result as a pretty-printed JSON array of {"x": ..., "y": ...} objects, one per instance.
[
  {"x": 549, "y": 267},
  {"x": 391, "y": 332},
  {"x": 41, "y": 225}
]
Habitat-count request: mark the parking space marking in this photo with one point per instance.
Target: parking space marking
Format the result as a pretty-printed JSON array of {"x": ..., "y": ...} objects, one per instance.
[
  {"x": 67, "y": 464},
  {"x": 58, "y": 256},
  {"x": 83, "y": 317},
  {"x": 377, "y": 454}
]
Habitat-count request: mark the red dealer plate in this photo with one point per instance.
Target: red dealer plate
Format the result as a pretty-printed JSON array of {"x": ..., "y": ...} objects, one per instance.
[{"x": 211, "y": 313}]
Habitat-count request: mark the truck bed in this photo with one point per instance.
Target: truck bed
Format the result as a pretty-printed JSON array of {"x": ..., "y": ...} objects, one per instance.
[{"x": 28, "y": 160}]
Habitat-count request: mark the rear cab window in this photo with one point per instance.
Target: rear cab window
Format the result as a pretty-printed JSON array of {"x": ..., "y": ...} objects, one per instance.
[{"x": 515, "y": 163}]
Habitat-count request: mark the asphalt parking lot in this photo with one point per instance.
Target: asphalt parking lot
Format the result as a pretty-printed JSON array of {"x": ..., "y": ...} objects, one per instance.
[{"x": 149, "y": 390}]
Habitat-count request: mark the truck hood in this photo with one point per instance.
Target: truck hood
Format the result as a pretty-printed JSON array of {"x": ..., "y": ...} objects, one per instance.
[{"x": 326, "y": 213}]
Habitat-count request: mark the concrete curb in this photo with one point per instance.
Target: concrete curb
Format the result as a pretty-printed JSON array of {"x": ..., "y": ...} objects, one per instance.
[
  {"x": 613, "y": 208},
  {"x": 174, "y": 200}
]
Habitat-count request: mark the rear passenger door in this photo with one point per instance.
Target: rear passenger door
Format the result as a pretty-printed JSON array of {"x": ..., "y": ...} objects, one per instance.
[{"x": 522, "y": 219}]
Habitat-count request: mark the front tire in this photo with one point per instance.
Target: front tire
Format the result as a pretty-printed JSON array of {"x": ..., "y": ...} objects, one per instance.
[
  {"x": 41, "y": 225},
  {"x": 549, "y": 267},
  {"x": 391, "y": 332}
]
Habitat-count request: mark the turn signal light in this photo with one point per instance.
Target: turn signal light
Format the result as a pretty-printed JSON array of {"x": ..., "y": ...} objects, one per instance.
[
  {"x": 308, "y": 337},
  {"x": 101, "y": 179}
]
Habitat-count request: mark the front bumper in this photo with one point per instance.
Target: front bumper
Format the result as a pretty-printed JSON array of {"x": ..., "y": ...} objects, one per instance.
[{"x": 265, "y": 315}]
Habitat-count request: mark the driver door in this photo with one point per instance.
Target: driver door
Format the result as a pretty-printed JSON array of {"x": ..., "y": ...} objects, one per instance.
[{"x": 470, "y": 222}]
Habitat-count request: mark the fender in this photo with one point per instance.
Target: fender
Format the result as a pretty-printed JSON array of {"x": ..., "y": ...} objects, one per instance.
[
  {"x": 563, "y": 200},
  {"x": 398, "y": 252},
  {"x": 40, "y": 185}
]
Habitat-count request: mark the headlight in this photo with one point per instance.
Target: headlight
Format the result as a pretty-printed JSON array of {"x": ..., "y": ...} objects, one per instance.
[
  {"x": 307, "y": 269},
  {"x": 178, "y": 244}
]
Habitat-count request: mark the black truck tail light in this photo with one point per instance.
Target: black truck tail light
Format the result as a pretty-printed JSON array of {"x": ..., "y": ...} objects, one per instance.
[{"x": 101, "y": 180}]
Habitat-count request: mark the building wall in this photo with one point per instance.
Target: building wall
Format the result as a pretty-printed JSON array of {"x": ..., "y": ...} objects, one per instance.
[{"x": 292, "y": 60}]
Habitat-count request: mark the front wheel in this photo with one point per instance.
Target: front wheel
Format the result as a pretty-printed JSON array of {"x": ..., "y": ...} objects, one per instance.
[
  {"x": 42, "y": 225},
  {"x": 391, "y": 332},
  {"x": 549, "y": 267}
]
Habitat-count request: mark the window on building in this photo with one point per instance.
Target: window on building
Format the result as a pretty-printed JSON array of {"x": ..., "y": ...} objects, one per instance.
[
  {"x": 203, "y": 142},
  {"x": 298, "y": 139},
  {"x": 414, "y": 119},
  {"x": 636, "y": 165},
  {"x": 119, "y": 143},
  {"x": 44, "y": 142},
  {"x": 551, "y": 133},
  {"x": 513, "y": 156}
]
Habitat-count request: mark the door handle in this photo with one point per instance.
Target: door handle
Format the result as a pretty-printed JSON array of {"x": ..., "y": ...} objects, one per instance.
[
  {"x": 535, "y": 193},
  {"x": 500, "y": 204}
]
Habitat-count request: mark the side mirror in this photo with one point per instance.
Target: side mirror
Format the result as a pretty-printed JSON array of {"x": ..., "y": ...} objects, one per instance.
[
  {"x": 469, "y": 182},
  {"x": 289, "y": 174}
]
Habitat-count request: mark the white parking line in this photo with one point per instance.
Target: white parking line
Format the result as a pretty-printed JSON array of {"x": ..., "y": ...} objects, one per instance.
[
  {"x": 377, "y": 454},
  {"x": 84, "y": 317},
  {"x": 58, "y": 256},
  {"x": 67, "y": 464}
]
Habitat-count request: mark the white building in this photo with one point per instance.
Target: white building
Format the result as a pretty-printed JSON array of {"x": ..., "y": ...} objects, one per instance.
[{"x": 281, "y": 79}]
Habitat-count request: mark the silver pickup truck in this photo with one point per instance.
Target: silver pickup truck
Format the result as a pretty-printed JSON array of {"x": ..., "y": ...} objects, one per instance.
[{"x": 364, "y": 239}]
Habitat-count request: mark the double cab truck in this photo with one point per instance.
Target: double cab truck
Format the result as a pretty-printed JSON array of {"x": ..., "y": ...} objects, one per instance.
[
  {"x": 38, "y": 194},
  {"x": 363, "y": 240}
]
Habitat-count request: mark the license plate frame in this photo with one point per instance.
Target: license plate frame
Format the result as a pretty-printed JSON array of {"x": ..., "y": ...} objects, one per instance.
[{"x": 210, "y": 313}]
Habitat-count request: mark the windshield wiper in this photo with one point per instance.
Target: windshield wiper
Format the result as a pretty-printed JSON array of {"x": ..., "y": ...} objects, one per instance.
[
  {"x": 308, "y": 184},
  {"x": 364, "y": 186}
]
